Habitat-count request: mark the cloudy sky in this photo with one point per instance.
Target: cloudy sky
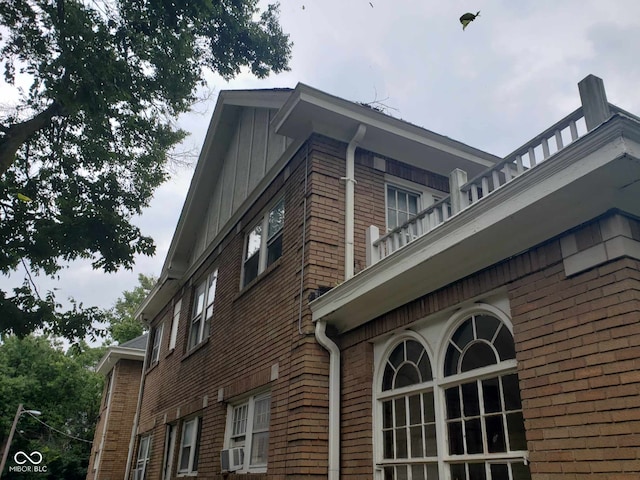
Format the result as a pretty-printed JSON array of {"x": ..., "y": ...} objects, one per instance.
[{"x": 510, "y": 75}]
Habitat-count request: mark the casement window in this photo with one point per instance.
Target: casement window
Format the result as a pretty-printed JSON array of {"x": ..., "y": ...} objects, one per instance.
[
  {"x": 174, "y": 324},
  {"x": 263, "y": 244},
  {"x": 248, "y": 430},
  {"x": 467, "y": 418},
  {"x": 144, "y": 450},
  {"x": 169, "y": 447},
  {"x": 402, "y": 204},
  {"x": 203, "y": 305},
  {"x": 189, "y": 446},
  {"x": 156, "y": 342}
]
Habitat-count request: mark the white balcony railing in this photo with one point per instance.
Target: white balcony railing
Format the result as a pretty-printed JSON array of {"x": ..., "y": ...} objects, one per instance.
[{"x": 465, "y": 193}]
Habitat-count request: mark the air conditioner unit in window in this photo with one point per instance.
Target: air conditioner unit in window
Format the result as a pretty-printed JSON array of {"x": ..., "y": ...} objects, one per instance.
[{"x": 232, "y": 459}]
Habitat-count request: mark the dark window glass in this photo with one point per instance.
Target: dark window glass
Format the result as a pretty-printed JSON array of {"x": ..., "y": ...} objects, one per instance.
[
  {"x": 491, "y": 395},
  {"x": 430, "y": 440},
  {"x": 499, "y": 471},
  {"x": 397, "y": 356},
  {"x": 387, "y": 440},
  {"x": 417, "y": 472},
  {"x": 478, "y": 355},
  {"x": 464, "y": 334},
  {"x": 417, "y": 447},
  {"x": 451, "y": 361},
  {"x": 387, "y": 414},
  {"x": 425, "y": 368},
  {"x": 429, "y": 413},
  {"x": 477, "y": 471},
  {"x": 515, "y": 425},
  {"x": 401, "y": 412},
  {"x": 504, "y": 344},
  {"x": 387, "y": 378},
  {"x": 401, "y": 471},
  {"x": 251, "y": 269},
  {"x": 432, "y": 471},
  {"x": 415, "y": 409},
  {"x": 455, "y": 438},
  {"x": 406, "y": 375},
  {"x": 495, "y": 434},
  {"x": 452, "y": 396},
  {"x": 486, "y": 327},
  {"x": 414, "y": 351},
  {"x": 473, "y": 434},
  {"x": 389, "y": 473},
  {"x": 458, "y": 472},
  {"x": 471, "y": 400},
  {"x": 274, "y": 250},
  {"x": 401, "y": 443},
  {"x": 511, "y": 390},
  {"x": 520, "y": 471}
]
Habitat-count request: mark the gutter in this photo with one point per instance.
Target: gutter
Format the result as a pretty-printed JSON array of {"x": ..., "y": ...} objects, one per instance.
[
  {"x": 334, "y": 399},
  {"x": 136, "y": 418},
  {"x": 350, "y": 181}
]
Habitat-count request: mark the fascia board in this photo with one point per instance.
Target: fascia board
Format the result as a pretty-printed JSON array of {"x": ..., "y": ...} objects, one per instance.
[
  {"x": 118, "y": 353},
  {"x": 593, "y": 151},
  {"x": 360, "y": 114}
]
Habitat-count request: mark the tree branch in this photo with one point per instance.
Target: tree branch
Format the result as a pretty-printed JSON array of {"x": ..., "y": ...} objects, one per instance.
[{"x": 18, "y": 133}]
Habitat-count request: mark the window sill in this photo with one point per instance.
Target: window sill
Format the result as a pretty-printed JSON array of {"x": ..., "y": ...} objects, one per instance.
[
  {"x": 195, "y": 349},
  {"x": 152, "y": 367},
  {"x": 169, "y": 353},
  {"x": 257, "y": 280}
]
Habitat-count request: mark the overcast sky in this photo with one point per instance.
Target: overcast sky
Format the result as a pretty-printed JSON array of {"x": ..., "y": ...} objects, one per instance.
[{"x": 511, "y": 74}]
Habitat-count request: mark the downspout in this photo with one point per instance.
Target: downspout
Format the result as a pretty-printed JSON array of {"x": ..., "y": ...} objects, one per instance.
[
  {"x": 350, "y": 180},
  {"x": 136, "y": 418},
  {"x": 334, "y": 399}
]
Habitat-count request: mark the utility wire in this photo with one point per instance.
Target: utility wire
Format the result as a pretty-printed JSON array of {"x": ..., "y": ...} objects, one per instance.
[{"x": 60, "y": 432}]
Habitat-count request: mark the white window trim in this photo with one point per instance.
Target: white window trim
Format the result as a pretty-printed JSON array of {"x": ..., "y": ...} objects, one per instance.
[
  {"x": 438, "y": 385},
  {"x": 158, "y": 331},
  {"x": 426, "y": 195},
  {"x": 200, "y": 336},
  {"x": 139, "y": 473},
  {"x": 169, "y": 449},
  {"x": 264, "y": 241},
  {"x": 177, "y": 308},
  {"x": 190, "y": 471},
  {"x": 250, "y": 401}
]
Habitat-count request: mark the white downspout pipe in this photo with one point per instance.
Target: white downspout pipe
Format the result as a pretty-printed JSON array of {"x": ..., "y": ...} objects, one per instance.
[
  {"x": 350, "y": 180},
  {"x": 334, "y": 399}
]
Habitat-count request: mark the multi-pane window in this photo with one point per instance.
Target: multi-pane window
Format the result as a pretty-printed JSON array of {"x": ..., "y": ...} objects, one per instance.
[
  {"x": 189, "y": 446},
  {"x": 249, "y": 429},
  {"x": 142, "y": 460},
  {"x": 175, "y": 320},
  {"x": 484, "y": 421},
  {"x": 401, "y": 206},
  {"x": 408, "y": 416},
  {"x": 156, "y": 342},
  {"x": 469, "y": 419},
  {"x": 169, "y": 447},
  {"x": 203, "y": 305},
  {"x": 264, "y": 243}
]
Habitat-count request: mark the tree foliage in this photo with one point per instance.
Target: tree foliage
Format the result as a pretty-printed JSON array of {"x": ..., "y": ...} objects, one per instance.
[
  {"x": 86, "y": 144},
  {"x": 123, "y": 325},
  {"x": 64, "y": 387}
]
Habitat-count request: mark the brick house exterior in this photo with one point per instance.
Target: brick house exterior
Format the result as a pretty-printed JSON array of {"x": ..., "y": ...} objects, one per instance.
[
  {"x": 122, "y": 368},
  {"x": 491, "y": 331}
]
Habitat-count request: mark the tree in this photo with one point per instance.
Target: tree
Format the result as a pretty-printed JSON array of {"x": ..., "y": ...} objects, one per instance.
[
  {"x": 123, "y": 325},
  {"x": 87, "y": 144},
  {"x": 64, "y": 387}
]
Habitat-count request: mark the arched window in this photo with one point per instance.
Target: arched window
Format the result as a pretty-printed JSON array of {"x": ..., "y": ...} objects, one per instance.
[
  {"x": 409, "y": 446},
  {"x": 484, "y": 422}
]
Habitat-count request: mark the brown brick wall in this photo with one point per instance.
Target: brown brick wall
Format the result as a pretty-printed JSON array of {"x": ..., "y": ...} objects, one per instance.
[
  {"x": 121, "y": 410},
  {"x": 578, "y": 352}
]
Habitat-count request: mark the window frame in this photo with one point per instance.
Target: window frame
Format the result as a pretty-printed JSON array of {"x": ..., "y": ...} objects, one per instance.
[
  {"x": 194, "y": 447},
  {"x": 266, "y": 241},
  {"x": 232, "y": 439},
  {"x": 140, "y": 470},
  {"x": 169, "y": 450},
  {"x": 175, "y": 321},
  {"x": 202, "y": 313},
  {"x": 426, "y": 196},
  {"x": 156, "y": 344},
  {"x": 435, "y": 338}
]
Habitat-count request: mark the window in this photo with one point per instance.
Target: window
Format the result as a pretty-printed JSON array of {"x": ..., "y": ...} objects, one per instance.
[
  {"x": 468, "y": 420},
  {"x": 169, "y": 447},
  {"x": 203, "y": 304},
  {"x": 157, "y": 341},
  {"x": 401, "y": 206},
  {"x": 143, "y": 458},
  {"x": 248, "y": 427},
  {"x": 409, "y": 444},
  {"x": 189, "y": 446},
  {"x": 174, "y": 324},
  {"x": 264, "y": 243}
]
